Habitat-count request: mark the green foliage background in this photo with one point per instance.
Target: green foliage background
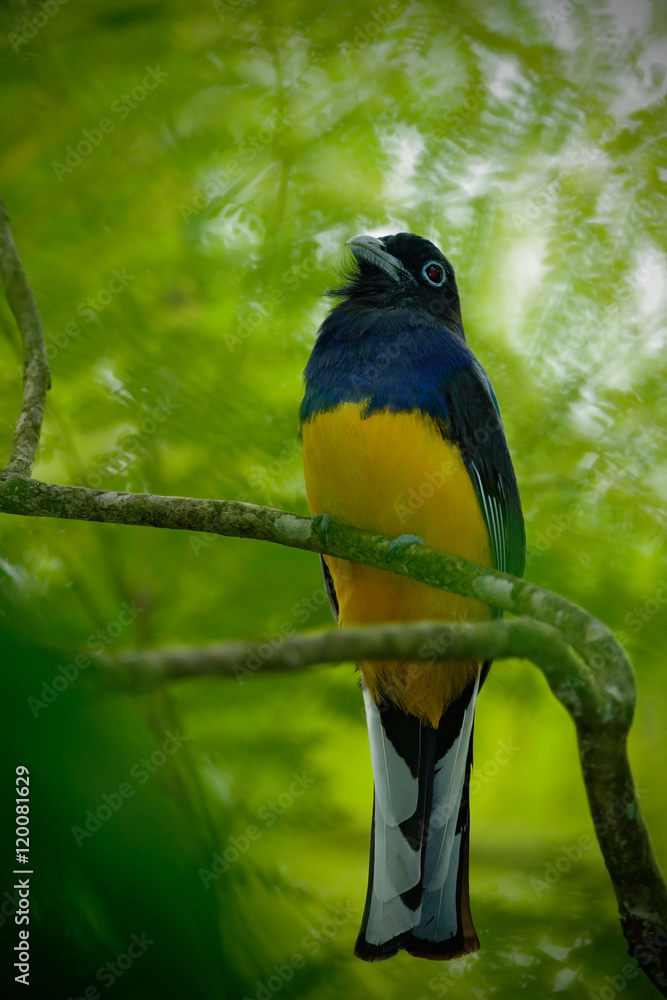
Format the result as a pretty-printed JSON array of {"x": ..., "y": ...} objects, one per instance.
[{"x": 529, "y": 142}]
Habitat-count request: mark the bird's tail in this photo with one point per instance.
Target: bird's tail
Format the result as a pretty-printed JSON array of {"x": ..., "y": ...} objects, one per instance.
[{"x": 418, "y": 882}]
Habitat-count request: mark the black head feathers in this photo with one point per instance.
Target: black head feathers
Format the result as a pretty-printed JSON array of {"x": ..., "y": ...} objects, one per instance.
[{"x": 400, "y": 270}]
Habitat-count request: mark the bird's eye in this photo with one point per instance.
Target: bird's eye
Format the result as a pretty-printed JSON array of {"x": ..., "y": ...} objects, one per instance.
[{"x": 434, "y": 273}]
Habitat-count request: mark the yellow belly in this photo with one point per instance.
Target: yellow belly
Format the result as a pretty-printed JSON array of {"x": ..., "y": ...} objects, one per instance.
[{"x": 395, "y": 474}]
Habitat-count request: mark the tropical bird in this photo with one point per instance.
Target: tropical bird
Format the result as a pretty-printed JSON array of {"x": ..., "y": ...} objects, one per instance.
[{"x": 401, "y": 435}]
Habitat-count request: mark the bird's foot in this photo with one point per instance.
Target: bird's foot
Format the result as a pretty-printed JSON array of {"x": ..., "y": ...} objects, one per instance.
[{"x": 404, "y": 540}]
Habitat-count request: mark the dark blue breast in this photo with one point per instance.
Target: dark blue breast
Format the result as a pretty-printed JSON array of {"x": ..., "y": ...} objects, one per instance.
[{"x": 392, "y": 358}]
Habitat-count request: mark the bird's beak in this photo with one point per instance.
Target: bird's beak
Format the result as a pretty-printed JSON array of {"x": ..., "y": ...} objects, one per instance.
[{"x": 373, "y": 251}]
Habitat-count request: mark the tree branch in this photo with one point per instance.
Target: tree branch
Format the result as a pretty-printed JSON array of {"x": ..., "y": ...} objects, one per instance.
[
  {"x": 430, "y": 641},
  {"x": 599, "y": 693},
  {"x": 36, "y": 375},
  {"x": 593, "y": 640},
  {"x": 601, "y": 736}
]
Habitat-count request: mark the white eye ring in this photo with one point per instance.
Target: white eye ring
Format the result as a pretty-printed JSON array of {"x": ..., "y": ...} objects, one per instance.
[{"x": 431, "y": 263}]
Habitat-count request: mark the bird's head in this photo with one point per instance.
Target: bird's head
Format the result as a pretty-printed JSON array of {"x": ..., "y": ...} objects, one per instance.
[{"x": 400, "y": 270}]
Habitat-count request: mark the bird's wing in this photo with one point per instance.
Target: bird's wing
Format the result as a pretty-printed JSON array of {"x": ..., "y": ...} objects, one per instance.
[
  {"x": 329, "y": 587},
  {"x": 475, "y": 426}
]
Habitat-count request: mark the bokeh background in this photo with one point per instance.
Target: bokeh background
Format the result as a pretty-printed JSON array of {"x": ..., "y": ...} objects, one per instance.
[{"x": 181, "y": 179}]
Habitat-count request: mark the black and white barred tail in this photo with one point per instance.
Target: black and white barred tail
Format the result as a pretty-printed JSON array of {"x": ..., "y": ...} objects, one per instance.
[{"x": 417, "y": 897}]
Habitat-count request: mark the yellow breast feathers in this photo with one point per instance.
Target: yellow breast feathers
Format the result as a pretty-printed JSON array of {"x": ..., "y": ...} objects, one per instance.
[{"x": 394, "y": 473}]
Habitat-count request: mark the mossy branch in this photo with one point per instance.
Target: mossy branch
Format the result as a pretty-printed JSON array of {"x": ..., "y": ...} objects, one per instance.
[
  {"x": 597, "y": 689},
  {"x": 429, "y": 641},
  {"x": 36, "y": 375}
]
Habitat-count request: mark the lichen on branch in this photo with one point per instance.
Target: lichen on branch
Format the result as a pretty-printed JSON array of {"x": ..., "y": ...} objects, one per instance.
[{"x": 584, "y": 664}]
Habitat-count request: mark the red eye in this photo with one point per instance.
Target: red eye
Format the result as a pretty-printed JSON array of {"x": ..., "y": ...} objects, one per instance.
[{"x": 434, "y": 272}]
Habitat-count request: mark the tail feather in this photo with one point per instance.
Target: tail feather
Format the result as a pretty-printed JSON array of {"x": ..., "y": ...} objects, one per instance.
[
  {"x": 417, "y": 896},
  {"x": 448, "y": 785},
  {"x": 396, "y": 772}
]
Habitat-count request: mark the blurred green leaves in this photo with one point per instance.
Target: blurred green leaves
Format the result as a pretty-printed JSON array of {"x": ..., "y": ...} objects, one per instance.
[{"x": 527, "y": 142}]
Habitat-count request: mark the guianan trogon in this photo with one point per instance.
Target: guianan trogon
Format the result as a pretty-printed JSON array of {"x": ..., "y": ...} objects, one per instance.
[{"x": 402, "y": 435}]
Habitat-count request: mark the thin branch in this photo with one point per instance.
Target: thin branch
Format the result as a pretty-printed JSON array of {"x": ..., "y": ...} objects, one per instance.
[
  {"x": 600, "y": 695},
  {"x": 619, "y": 823},
  {"x": 430, "y": 641},
  {"x": 593, "y": 641},
  {"x": 21, "y": 495},
  {"x": 36, "y": 375}
]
